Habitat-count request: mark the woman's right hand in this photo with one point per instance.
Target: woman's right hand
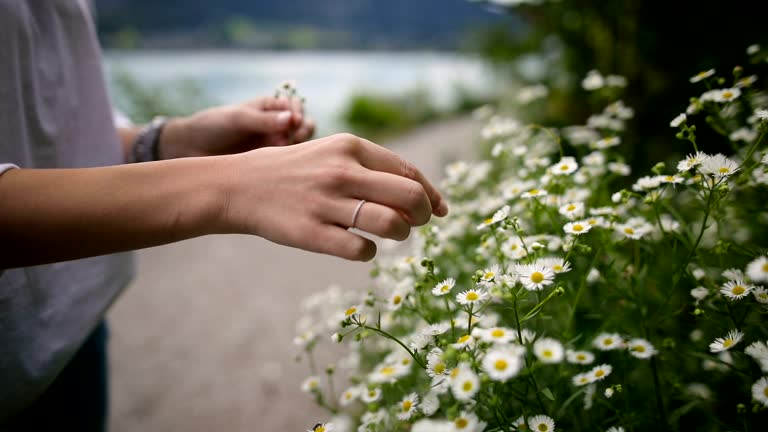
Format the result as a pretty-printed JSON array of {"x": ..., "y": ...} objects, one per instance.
[{"x": 305, "y": 195}]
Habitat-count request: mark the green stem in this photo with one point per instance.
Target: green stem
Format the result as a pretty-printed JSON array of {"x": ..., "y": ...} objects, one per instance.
[
  {"x": 525, "y": 357},
  {"x": 389, "y": 336},
  {"x": 659, "y": 400}
]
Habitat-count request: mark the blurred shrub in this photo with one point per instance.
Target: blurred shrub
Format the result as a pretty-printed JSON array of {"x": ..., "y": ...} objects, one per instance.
[{"x": 141, "y": 102}]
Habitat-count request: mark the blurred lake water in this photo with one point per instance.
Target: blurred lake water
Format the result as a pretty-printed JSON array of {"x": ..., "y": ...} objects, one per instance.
[{"x": 326, "y": 78}]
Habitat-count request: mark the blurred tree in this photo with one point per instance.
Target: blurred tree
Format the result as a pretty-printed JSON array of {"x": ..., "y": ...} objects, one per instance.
[
  {"x": 656, "y": 45},
  {"x": 141, "y": 102}
]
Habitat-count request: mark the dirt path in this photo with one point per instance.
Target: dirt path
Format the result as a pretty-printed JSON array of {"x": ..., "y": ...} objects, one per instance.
[{"x": 202, "y": 341}]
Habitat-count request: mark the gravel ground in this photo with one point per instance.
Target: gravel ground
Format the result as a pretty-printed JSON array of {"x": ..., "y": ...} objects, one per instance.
[{"x": 202, "y": 340}]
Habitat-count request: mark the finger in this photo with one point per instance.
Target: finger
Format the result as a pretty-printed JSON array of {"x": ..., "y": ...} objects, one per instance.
[
  {"x": 305, "y": 131},
  {"x": 337, "y": 241},
  {"x": 393, "y": 191},
  {"x": 376, "y": 157},
  {"x": 265, "y": 121},
  {"x": 372, "y": 217},
  {"x": 279, "y": 104}
]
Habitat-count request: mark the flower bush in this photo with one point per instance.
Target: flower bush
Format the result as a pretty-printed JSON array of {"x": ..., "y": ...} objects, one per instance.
[{"x": 559, "y": 294}]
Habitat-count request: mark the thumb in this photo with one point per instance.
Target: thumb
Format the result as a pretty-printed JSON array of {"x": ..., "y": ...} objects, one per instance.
[{"x": 268, "y": 121}]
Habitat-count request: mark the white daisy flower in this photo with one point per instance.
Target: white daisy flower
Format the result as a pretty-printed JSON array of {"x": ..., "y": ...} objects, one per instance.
[
  {"x": 558, "y": 265},
  {"x": 519, "y": 423},
  {"x": 757, "y": 270},
  {"x": 757, "y": 350},
  {"x": 430, "y": 404},
  {"x": 322, "y": 427},
  {"x": 534, "y": 193},
  {"x": 572, "y": 210},
  {"x": 732, "y": 274},
  {"x": 616, "y": 81},
  {"x": 436, "y": 366},
  {"x": 677, "y": 121},
  {"x": 619, "y": 168},
  {"x": 490, "y": 274},
  {"x": 761, "y": 294},
  {"x": 541, "y": 423},
  {"x": 566, "y": 166},
  {"x": 579, "y": 357},
  {"x": 702, "y": 75},
  {"x": 444, "y": 287},
  {"x": 608, "y": 392},
  {"x": 762, "y": 114},
  {"x": 534, "y": 277},
  {"x": 577, "y": 227},
  {"x": 388, "y": 373},
  {"x": 615, "y": 429},
  {"x": 599, "y": 373},
  {"x": 647, "y": 183},
  {"x": 582, "y": 379},
  {"x": 497, "y": 217},
  {"x": 606, "y": 143},
  {"x": 396, "y": 300},
  {"x": 596, "y": 159},
  {"x": 753, "y": 49},
  {"x": 718, "y": 166},
  {"x": 632, "y": 231},
  {"x": 472, "y": 296},
  {"x": 722, "y": 344},
  {"x": 747, "y": 81},
  {"x": 464, "y": 383},
  {"x": 736, "y": 290},
  {"x": 370, "y": 395},
  {"x": 463, "y": 341},
  {"x": 497, "y": 335},
  {"x": 311, "y": 384},
  {"x": 593, "y": 275},
  {"x": 407, "y": 406},
  {"x": 593, "y": 81},
  {"x": 608, "y": 341},
  {"x": 699, "y": 293},
  {"x": 743, "y": 134},
  {"x": 526, "y": 336},
  {"x": 418, "y": 341},
  {"x": 467, "y": 421},
  {"x": 672, "y": 179},
  {"x": 760, "y": 391},
  {"x": 349, "y": 395},
  {"x": 691, "y": 161},
  {"x": 502, "y": 364},
  {"x": 351, "y": 311},
  {"x": 305, "y": 338},
  {"x": 548, "y": 350},
  {"x": 641, "y": 348}
]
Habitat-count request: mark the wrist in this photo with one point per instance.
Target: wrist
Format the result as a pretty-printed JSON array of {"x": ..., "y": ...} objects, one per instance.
[{"x": 173, "y": 139}]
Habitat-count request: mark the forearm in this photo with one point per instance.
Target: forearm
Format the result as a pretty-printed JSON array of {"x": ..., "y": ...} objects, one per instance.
[
  {"x": 171, "y": 144},
  {"x": 127, "y": 138},
  {"x": 64, "y": 214}
]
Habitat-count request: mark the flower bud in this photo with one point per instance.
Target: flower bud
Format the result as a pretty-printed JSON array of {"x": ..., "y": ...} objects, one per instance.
[{"x": 337, "y": 337}]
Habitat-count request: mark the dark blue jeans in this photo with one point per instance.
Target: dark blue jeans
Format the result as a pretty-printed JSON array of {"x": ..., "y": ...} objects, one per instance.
[{"x": 78, "y": 399}]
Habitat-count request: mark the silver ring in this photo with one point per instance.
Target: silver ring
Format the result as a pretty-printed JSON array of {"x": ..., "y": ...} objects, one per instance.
[{"x": 356, "y": 213}]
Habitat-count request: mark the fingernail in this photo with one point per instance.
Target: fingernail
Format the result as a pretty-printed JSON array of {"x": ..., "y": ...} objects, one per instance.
[{"x": 283, "y": 118}]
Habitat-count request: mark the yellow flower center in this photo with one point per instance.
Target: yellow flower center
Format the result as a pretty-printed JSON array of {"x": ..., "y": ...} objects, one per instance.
[
  {"x": 629, "y": 230},
  {"x": 765, "y": 391},
  {"x": 724, "y": 170},
  {"x": 461, "y": 423},
  {"x": 320, "y": 429},
  {"x": 669, "y": 178},
  {"x": 578, "y": 227},
  {"x": 537, "y": 277},
  {"x": 463, "y": 339},
  {"x": 607, "y": 341},
  {"x": 407, "y": 405},
  {"x": 397, "y": 299},
  {"x": 557, "y": 267},
  {"x": 599, "y": 373},
  {"x": 440, "y": 368},
  {"x": 372, "y": 394},
  {"x": 500, "y": 364},
  {"x": 497, "y": 333},
  {"x": 727, "y": 343},
  {"x": 583, "y": 380},
  {"x": 727, "y": 94},
  {"x": 489, "y": 275},
  {"x": 445, "y": 288},
  {"x": 533, "y": 191},
  {"x": 570, "y": 207},
  {"x": 514, "y": 247},
  {"x": 350, "y": 311},
  {"x": 738, "y": 290},
  {"x": 472, "y": 296},
  {"x": 454, "y": 372},
  {"x": 639, "y": 348},
  {"x": 765, "y": 267},
  {"x": 581, "y": 357},
  {"x": 564, "y": 167},
  {"x": 468, "y": 385},
  {"x": 547, "y": 353},
  {"x": 348, "y": 395},
  {"x": 387, "y": 370},
  {"x": 405, "y": 361},
  {"x": 543, "y": 427},
  {"x": 488, "y": 221}
]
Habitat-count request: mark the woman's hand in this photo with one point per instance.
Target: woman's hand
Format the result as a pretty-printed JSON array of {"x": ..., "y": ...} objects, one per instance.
[
  {"x": 305, "y": 195},
  {"x": 263, "y": 122}
]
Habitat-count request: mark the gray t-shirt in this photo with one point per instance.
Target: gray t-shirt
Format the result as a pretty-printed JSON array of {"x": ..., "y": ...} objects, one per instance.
[{"x": 54, "y": 113}]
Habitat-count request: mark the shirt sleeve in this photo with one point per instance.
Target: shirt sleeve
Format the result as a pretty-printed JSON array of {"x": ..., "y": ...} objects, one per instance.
[{"x": 5, "y": 167}]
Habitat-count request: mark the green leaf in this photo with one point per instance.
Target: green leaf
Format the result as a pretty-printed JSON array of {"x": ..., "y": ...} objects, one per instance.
[{"x": 548, "y": 393}]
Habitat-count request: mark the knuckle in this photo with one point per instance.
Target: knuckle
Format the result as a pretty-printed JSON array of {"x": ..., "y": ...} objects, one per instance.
[
  {"x": 407, "y": 168},
  {"x": 347, "y": 143},
  {"x": 339, "y": 174}
]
